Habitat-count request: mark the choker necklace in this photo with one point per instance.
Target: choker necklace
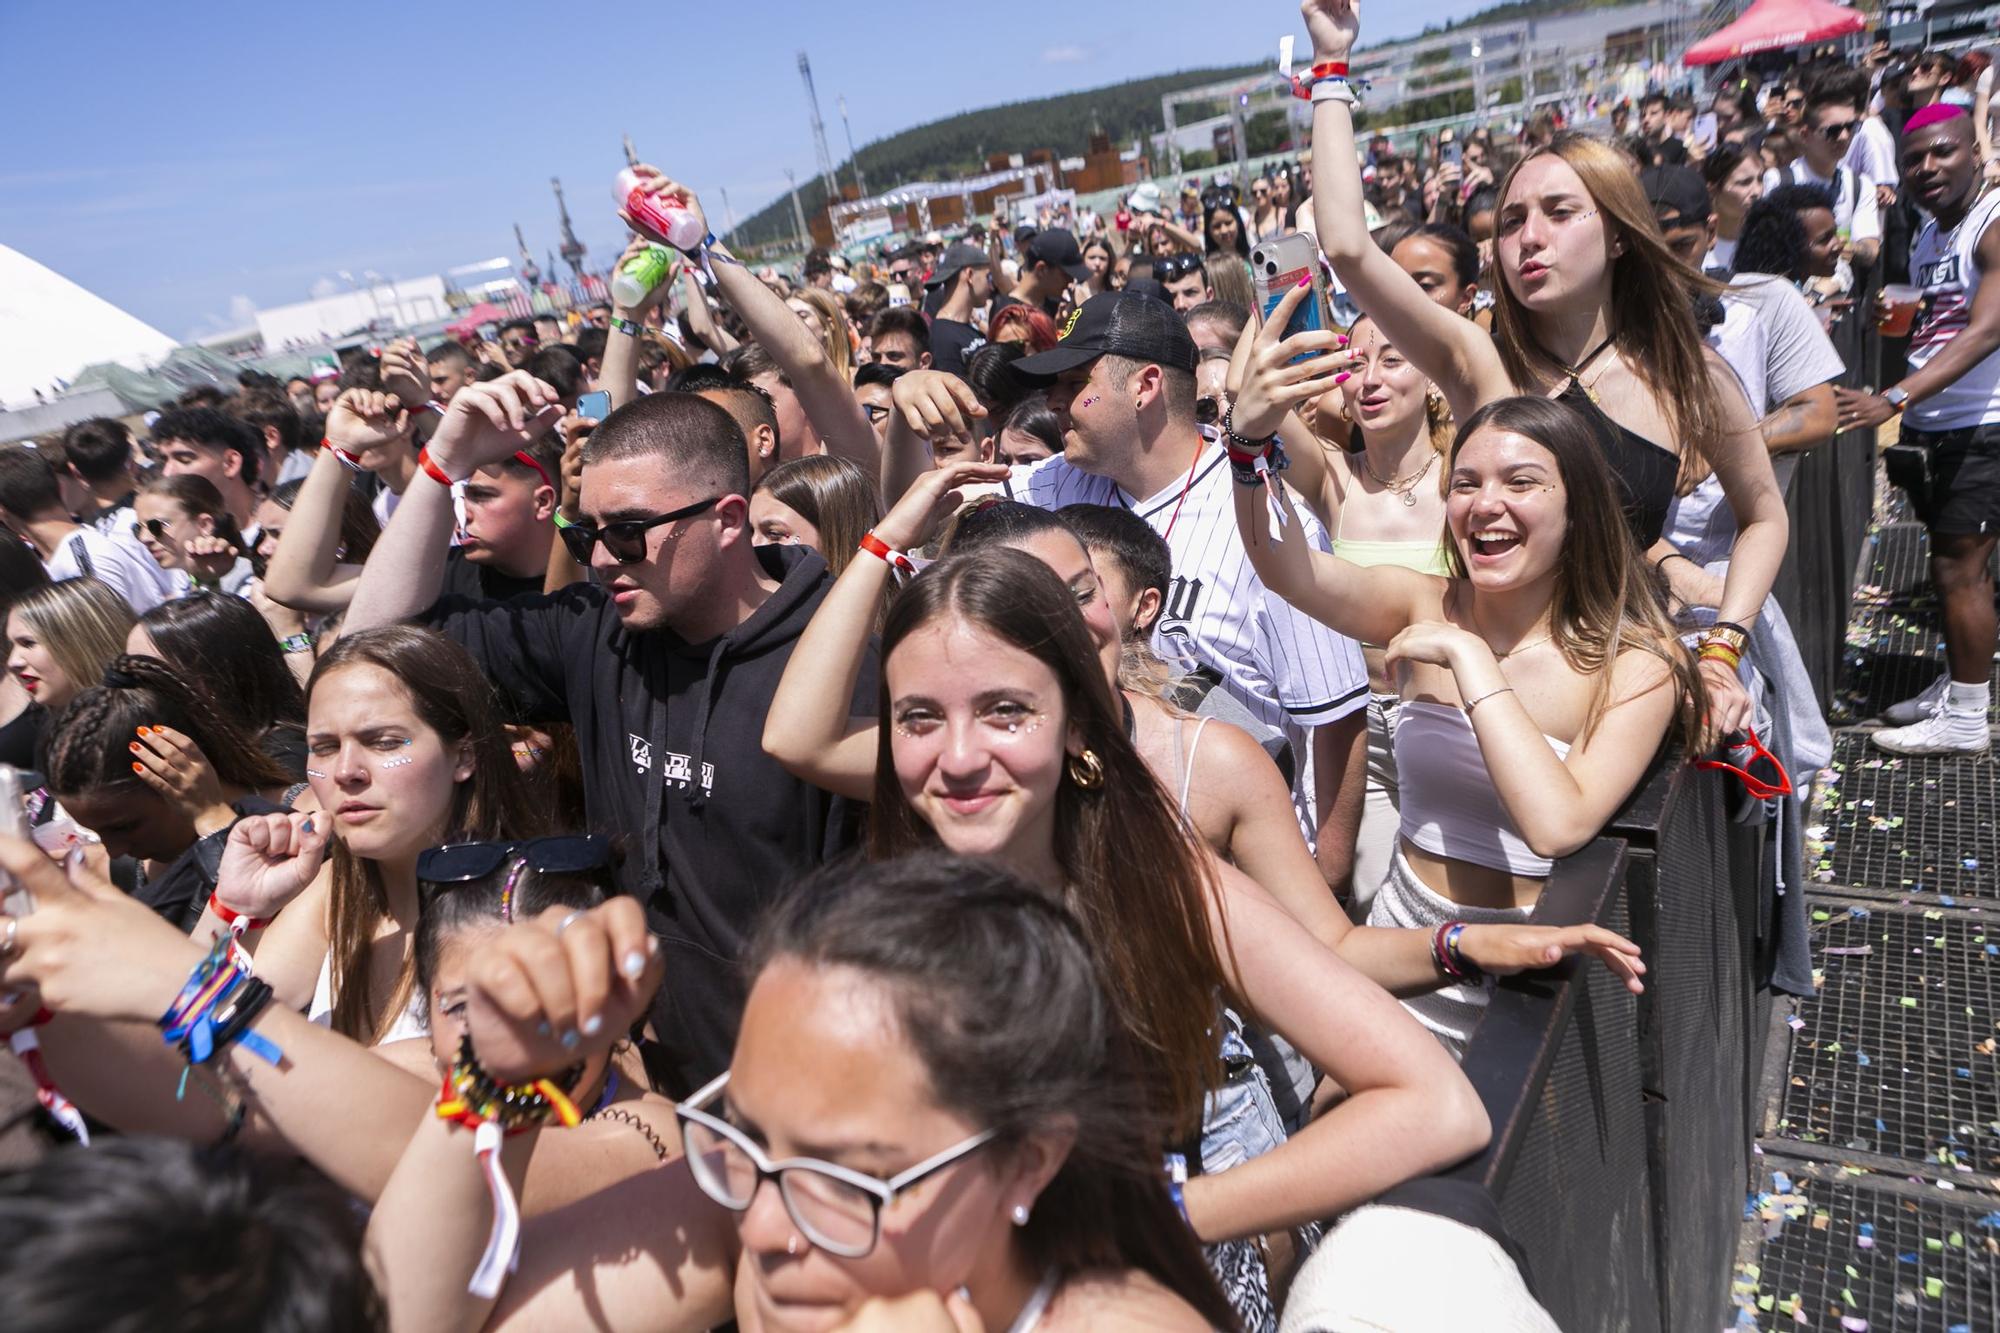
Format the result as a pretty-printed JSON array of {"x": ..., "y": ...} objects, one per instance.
[
  {"x": 1404, "y": 488},
  {"x": 1575, "y": 372}
]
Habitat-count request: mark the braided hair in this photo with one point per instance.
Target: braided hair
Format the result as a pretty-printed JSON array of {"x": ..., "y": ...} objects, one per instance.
[{"x": 87, "y": 748}]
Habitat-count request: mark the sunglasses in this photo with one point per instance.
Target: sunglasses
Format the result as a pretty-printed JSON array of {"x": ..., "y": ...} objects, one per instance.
[
  {"x": 157, "y": 526},
  {"x": 875, "y": 411},
  {"x": 1175, "y": 267},
  {"x": 463, "y": 862},
  {"x": 625, "y": 539},
  {"x": 1840, "y": 131},
  {"x": 1759, "y": 770}
]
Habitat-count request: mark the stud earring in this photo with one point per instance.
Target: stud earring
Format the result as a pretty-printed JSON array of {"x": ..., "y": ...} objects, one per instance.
[
  {"x": 1020, "y": 1214},
  {"x": 792, "y": 1244}
]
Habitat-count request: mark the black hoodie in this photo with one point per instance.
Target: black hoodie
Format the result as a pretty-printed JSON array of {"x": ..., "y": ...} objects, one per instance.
[{"x": 671, "y": 735}]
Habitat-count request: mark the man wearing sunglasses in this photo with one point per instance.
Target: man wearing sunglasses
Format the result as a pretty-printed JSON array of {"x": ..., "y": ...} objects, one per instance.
[
  {"x": 1831, "y": 121},
  {"x": 665, "y": 662}
]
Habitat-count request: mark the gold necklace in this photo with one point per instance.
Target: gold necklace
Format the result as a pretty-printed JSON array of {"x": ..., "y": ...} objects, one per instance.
[
  {"x": 1404, "y": 488},
  {"x": 1499, "y": 656}
]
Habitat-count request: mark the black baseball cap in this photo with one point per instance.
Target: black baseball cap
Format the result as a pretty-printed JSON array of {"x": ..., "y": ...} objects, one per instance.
[
  {"x": 1678, "y": 196},
  {"x": 960, "y": 256},
  {"x": 1059, "y": 247},
  {"x": 1116, "y": 324}
]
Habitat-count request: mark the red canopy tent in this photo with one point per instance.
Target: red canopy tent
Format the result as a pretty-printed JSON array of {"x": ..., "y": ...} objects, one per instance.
[
  {"x": 483, "y": 313},
  {"x": 1773, "y": 25}
]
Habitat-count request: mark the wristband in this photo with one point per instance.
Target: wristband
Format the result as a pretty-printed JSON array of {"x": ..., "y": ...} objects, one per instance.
[
  {"x": 238, "y": 922},
  {"x": 1744, "y": 630},
  {"x": 432, "y": 470},
  {"x": 433, "y": 406},
  {"x": 1333, "y": 90},
  {"x": 894, "y": 558},
  {"x": 348, "y": 459},
  {"x": 626, "y": 327},
  {"x": 563, "y": 524},
  {"x": 296, "y": 643}
]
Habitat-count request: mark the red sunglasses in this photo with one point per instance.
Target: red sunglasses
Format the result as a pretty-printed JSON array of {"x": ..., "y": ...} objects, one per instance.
[{"x": 1760, "y": 772}]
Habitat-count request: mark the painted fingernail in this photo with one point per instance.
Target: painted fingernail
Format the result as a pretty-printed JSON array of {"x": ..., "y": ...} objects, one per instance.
[
  {"x": 133, "y": 746},
  {"x": 593, "y": 1025},
  {"x": 544, "y": 1029},
  {"x": 1306, "y": 281},
  {"x": 1342, "y": 340},
  {"x": 138, "y": 768},
  {"x": 570, "y": 1040},
  {"x": 635, "y": 963},
  {"x": 307, "y": 827},
  {"x": 145, "y": 731},
  {"x": 1342, "y": 377}
]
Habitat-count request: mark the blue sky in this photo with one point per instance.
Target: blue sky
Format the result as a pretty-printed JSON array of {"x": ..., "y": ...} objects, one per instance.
[{"x": 192, "y": 161}]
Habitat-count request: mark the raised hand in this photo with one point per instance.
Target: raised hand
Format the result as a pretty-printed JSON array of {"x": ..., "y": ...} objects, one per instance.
[
  {"x": 209, "y": 557},
  {"x": 1271, "y": 385},
  {"x": 1333, "y": 25},
  {"x": 490, "y": 422},
  {"x": 370, "y": 425},
  {"x": 406, "y": 374},
  {"x": 543, "y": 994},
  {"x": 653, "y": 181},
  {"x": 930, "y": 498},
  {"x": 937, "y": 405},
  {"x": 660, "y": 292},
  {"x": 269, "y": 860}
]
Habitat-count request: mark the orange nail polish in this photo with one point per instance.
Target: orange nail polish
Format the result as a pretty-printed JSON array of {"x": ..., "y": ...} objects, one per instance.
[
  {"x": 138, "y": 768},
  {"x": 145, "y": 731},
  {"x": 133, "y": 747}
]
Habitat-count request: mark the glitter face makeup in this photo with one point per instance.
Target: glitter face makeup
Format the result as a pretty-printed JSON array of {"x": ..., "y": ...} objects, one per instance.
[
  {"x": 398, "y": 761},
  {"x": 315, "y": 773},
  {"x": 1088, "y": 401}
]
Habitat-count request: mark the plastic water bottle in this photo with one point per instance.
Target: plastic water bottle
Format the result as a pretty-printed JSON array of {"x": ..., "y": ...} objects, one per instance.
[
  {"x": 658, "y": 215},
  {"x": 640, "y": 274}
]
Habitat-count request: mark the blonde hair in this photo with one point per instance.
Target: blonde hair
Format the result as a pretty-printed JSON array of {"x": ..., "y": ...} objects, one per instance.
[
  {"x": 839, "y": 332},
  {"x": 83, "y": 622},
  {"x": 1653, "y": 323}
]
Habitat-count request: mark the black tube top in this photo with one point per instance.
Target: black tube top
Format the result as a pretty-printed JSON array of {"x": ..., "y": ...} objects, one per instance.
[{"x": 1645, "y": 472}]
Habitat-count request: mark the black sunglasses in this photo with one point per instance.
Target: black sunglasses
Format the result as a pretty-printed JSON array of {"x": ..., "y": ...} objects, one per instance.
[
  {"x": 1840, "y": 131},
  {"x": 625, "y": 539},
  {"x": 156, "y": 526},
  {"x": 462, "y": 862},
  {"x": 1173, "y": 268}
]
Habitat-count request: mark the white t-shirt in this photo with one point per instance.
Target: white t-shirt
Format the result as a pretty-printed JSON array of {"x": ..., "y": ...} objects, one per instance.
[
  {"x": 1290, "y": 671},
  {"x": 1945, "y": 264},
  {"x": 1854, "y": 204},
  {"x": 125, "y": 569},
  {"x": 1872, "y": 154},
  {"x": 1721, "y": 256}
]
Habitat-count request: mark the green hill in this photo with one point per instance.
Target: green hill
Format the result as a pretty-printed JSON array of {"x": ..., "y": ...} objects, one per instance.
[{"x": 958, "y": 145}]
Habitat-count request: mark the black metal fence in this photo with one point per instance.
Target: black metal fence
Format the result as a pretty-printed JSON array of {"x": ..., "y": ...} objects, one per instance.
[{"x": 1623, "y": 1125}]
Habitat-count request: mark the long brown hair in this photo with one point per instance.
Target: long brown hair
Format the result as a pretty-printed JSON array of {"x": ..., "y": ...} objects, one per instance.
[
  {"x": 1652, "y": 314},
  {"x": 1130, "y": 872},
  {"x": 834, "y": 495},
  {"x": 452, "y": 698},
  {"x": 1605, "y": 600}
]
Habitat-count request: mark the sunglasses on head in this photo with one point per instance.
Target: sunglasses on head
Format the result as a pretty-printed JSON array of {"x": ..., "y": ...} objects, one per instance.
[
  {"x": 463, "y": 862},
  {"x": 625, "y": 539},
  {"x": 1175, "y": 267}
]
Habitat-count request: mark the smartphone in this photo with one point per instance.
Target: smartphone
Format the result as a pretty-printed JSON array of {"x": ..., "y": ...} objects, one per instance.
[
  {"x": 596, "y": 406},
  {"x": 1704, "y": 130},
  {"x": 1275, "y": 268},
  {"x": 1454, "y": 152},
  {"x": 15, "y": 900}
]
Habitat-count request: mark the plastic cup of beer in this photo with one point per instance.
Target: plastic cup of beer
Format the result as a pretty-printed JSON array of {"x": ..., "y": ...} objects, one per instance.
[{"x": 1899, "y": 309}]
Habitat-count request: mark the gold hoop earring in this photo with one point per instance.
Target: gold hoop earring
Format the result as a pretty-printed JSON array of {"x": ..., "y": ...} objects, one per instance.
[
  {"x": 1086, "y": 770},
  {"x": 1344, "y": 416}
]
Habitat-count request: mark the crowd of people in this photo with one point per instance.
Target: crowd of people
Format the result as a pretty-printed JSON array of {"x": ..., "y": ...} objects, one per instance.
[{"x": 981, "y": 785}]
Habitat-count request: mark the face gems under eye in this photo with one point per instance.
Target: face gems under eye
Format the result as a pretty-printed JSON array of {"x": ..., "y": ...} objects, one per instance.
[
  {"x": 315, "y": 773},
  {"x": 398, "y": 761}
]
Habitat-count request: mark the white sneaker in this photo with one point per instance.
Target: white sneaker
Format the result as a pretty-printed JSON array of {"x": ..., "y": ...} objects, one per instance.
[
  {"x": 1922, "y": 706},
  {"x": 1947, "y": 731}
]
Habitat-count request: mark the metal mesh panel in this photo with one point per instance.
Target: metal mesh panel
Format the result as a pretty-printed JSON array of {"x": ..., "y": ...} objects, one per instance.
[
  {"x": 1896, "y": 1054},
  {"x": 1893, "y": 653},
  {"x": 1693, "y": 1022},
  {"x": 1909, "y": 824},
  {"x": 1853, "y": 1248},
  {"x": 1578, "y": 1198}
]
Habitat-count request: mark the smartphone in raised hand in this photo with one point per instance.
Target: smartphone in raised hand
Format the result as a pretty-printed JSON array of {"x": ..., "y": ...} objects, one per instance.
[
  {"x": 596, "y": 406},
  {"x": 1278, "y": 266}
]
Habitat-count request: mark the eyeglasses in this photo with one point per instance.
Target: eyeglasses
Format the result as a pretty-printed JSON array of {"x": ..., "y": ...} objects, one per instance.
[
  {"x": 1840, "y": 131},
  {"x": 1760, "y": 772},
  {"x": 625, "y": 539},
  {"x": 157, "y": 526},
  {"x": 462, "y": 862},
  {"x": 837, "y": 1210}
]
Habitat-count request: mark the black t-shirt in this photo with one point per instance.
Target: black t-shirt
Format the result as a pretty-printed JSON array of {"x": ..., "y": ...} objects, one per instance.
[
  {"x": 181, "y": 892},
  {"x": 484, "y": 583},
  {"x": 20, "y": 736},
  {"x": 952, "y": 345}
]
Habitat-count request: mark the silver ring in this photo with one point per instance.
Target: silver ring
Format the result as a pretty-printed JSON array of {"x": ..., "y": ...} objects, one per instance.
[
  {"x": 564, "y": 924},
  {"x": 7, "y": 945}
]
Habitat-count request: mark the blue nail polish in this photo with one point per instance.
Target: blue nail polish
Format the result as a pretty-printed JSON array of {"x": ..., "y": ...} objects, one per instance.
[
  {"x": 570, "y": 1040},
  {"x": 593, "y": 1025},
  {"x": 544, "y": 1029}
]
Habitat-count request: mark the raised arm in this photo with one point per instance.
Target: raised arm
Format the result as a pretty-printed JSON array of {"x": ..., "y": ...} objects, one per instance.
[
  {"x": 827, "y": 398},
  {"x": 620, "y": 374},
  {"x": 1454, "y": 353},
  {"x": 305, "y": 573},
  {"x": 808, "y": 728},
  {"x": 485, "y": 424},
  {"x": 930, "y": 404}
]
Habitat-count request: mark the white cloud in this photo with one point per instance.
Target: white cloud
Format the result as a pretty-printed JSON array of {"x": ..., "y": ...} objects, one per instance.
[
  {"x": 324, "y": 288},
  {"x": 242, "y": 311},
  {"x": 1065, "y": 55}
]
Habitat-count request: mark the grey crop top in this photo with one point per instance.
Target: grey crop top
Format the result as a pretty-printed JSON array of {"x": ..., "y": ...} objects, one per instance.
[{"x": 1449, "y": 805}]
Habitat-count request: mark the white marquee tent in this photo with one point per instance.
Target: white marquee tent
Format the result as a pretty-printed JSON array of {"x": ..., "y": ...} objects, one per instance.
[{"x": 50, "y": 328}]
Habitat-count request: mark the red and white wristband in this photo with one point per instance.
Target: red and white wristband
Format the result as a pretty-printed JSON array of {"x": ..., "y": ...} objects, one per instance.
[{"x": 895, "y": 559}]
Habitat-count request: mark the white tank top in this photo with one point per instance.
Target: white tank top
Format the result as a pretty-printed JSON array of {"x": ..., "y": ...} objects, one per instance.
[
  {"x": 1943, "y": 263},
  {"x": 1447, "y": 799},
  {"x": 412, "y": 1022}
]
